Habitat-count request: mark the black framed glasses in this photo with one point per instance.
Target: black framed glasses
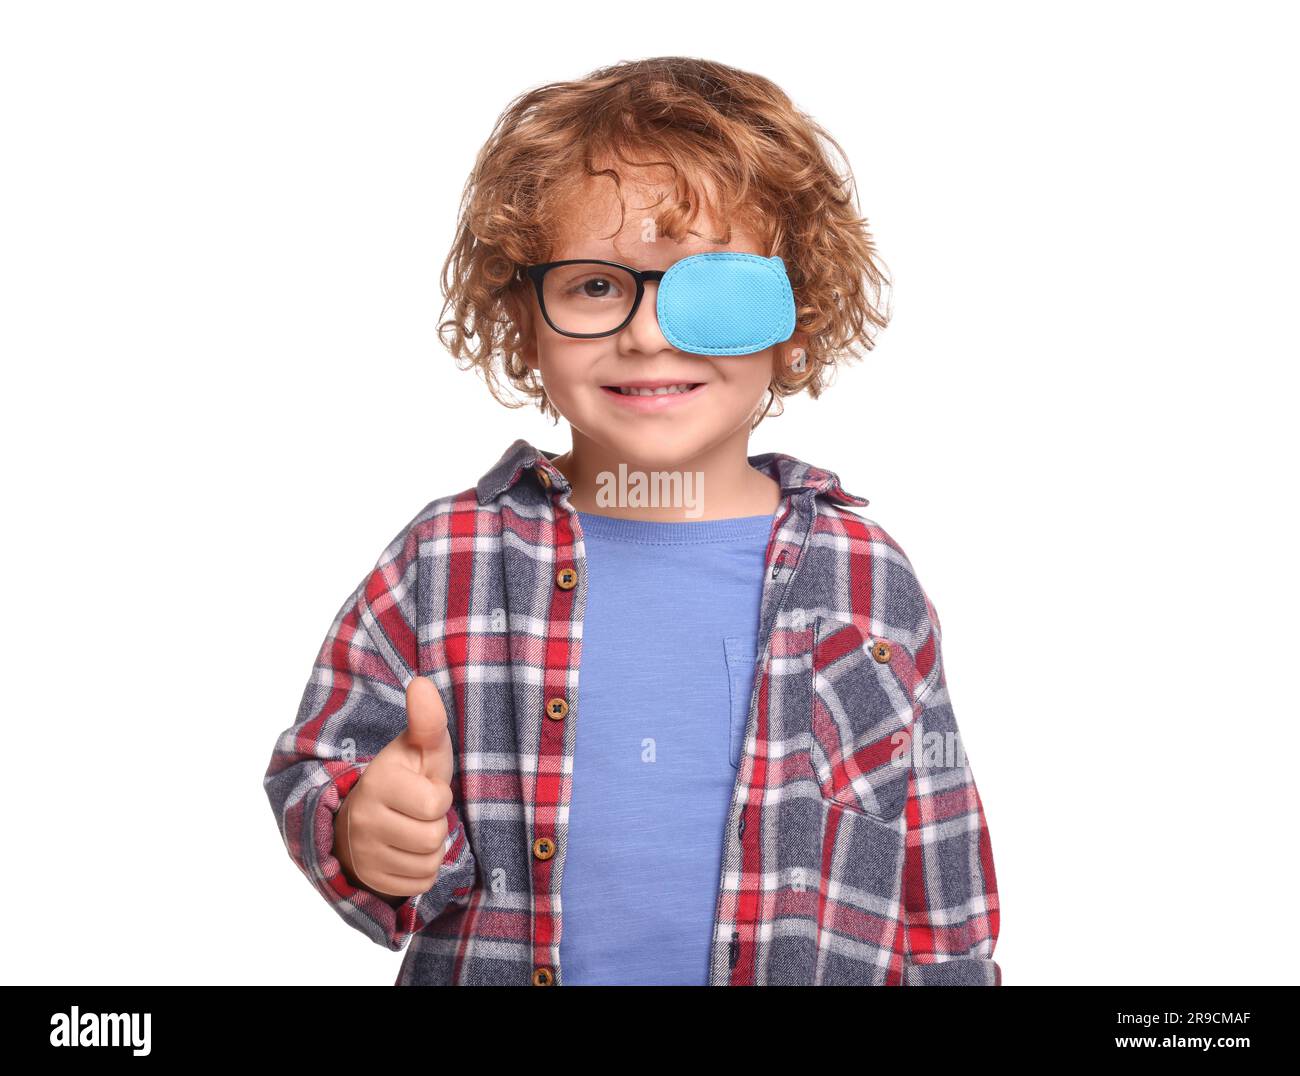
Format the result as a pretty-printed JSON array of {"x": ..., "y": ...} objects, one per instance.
[{"x": 588, "y": 298}]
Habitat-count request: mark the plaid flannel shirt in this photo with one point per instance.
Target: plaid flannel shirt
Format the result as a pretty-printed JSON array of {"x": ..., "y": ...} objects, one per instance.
[{"x": 848, "y": 859}]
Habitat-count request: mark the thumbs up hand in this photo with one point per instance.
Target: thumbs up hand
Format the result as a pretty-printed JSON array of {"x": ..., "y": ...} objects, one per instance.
[{"x": 389, "y": 833}]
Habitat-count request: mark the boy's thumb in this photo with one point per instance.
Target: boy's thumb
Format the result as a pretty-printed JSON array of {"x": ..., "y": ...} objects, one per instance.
[{"x": 426, "y": 718}]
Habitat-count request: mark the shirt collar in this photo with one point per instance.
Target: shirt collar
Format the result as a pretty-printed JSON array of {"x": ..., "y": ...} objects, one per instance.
[{"x": 794, "y": 476}]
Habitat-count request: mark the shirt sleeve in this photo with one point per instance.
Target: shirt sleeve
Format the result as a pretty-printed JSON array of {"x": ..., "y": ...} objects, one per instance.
[
  {"x": 950, "y": 897},
  {"x": 354, "y": 704}
]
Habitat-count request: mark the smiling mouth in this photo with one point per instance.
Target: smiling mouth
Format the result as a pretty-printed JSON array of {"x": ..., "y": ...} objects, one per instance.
[{"x": 660, "y": 390}]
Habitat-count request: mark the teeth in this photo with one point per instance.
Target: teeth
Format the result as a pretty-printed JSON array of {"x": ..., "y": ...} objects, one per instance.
[{"x": 667, "y": 390}]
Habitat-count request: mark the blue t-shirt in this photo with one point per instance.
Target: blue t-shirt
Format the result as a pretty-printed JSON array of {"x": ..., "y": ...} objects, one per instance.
[{"x": 670, "y": 639}]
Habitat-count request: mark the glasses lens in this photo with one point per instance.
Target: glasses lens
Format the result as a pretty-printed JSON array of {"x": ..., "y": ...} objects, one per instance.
[{"x": 588, "y": 297}]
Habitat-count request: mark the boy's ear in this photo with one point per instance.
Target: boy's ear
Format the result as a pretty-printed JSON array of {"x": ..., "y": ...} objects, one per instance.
[
  {"x": 792, "y": 352},
  {"x": 521, "y": 308}
]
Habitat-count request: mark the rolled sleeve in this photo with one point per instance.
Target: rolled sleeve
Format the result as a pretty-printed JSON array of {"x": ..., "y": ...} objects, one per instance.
[{"x": 385, "y": 921}]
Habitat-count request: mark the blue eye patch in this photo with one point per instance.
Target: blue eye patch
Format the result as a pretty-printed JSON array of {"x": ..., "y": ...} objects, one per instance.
[{"x": 726, "y": 303}]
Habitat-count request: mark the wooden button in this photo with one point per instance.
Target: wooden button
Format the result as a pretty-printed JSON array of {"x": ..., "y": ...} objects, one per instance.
[
  {"x": 881, "y": 651},
  {"x": 566, "y": 578},
  {"x": 543, "y": 848},
  {"x": 544, "y": 477},
  {"x": 556, "y": 709},
  {"x": 543, "y": 976}
]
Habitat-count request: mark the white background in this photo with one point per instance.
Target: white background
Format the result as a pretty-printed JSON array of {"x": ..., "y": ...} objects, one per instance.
[{"x": 222, "y": 228}]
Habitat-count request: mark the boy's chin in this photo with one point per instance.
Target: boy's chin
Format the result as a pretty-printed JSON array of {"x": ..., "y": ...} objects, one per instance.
[{"x": 666, "y": 447}]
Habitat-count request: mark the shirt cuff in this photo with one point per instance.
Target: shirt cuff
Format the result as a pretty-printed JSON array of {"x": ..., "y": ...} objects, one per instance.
[
  {"x": 386, "y": 922},
  {"x": 960, "y": 971}
]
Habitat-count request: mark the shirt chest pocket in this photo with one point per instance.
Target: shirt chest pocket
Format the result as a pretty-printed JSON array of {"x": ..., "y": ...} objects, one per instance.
[{"x": 862, "y": 718}]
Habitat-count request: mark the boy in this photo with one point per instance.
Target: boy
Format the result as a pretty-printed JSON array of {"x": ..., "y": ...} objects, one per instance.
[{"x": 755, "y": 779}]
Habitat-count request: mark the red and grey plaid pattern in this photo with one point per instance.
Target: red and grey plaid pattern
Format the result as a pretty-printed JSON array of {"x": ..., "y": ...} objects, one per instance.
[{"x": 856, "y": 849}]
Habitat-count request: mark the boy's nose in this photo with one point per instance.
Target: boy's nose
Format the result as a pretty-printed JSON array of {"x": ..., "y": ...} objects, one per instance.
[{"x": 643, "y": 332}]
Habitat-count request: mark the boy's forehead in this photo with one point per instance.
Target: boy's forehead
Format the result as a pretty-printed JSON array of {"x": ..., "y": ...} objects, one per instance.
[{"x": 589, "y": 227}]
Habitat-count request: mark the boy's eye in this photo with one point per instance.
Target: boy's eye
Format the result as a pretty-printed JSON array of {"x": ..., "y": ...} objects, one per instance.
[{"x": 594, "y": 287}]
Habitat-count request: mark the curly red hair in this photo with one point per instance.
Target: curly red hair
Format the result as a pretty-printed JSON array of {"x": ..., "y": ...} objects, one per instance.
[{"x": 732, "y": 143}]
